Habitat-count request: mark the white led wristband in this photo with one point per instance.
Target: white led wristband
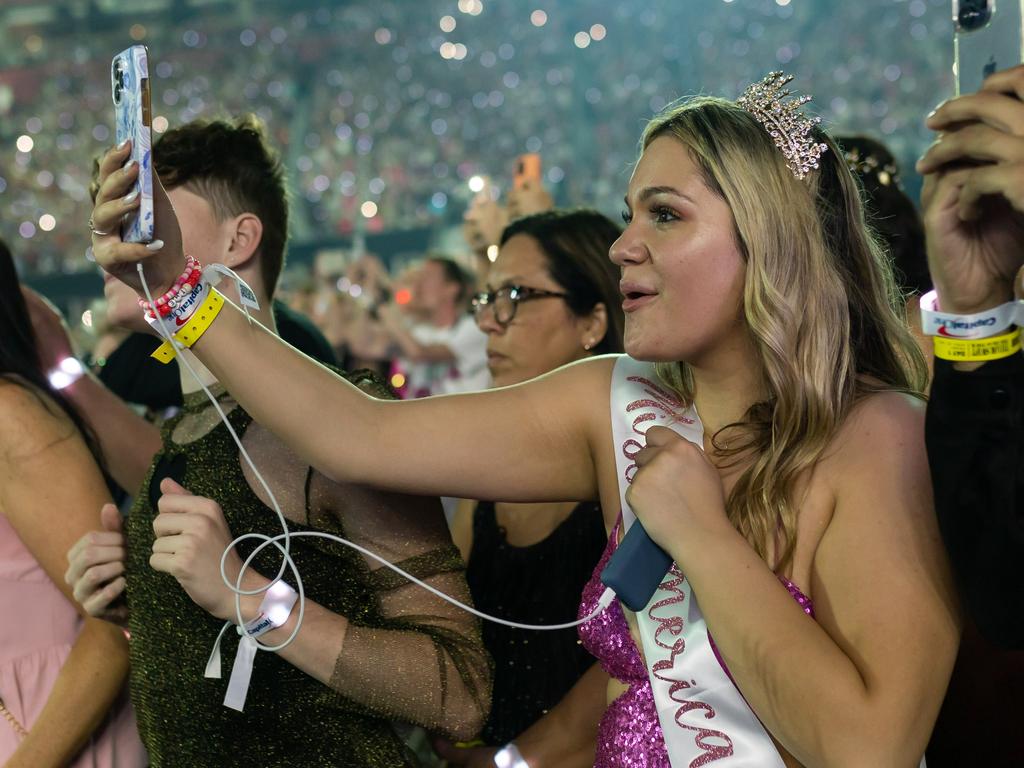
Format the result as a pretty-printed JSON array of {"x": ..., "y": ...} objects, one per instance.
[
  {"x": 509, "y": 756},
  {"x": 67, "y": 372},
  {"x": 275, "y": 609},
  {"x": 980, "y": 325}
]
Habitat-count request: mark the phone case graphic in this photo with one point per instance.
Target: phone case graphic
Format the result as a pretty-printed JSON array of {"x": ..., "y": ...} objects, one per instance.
[{"x": 130, "y": 86}]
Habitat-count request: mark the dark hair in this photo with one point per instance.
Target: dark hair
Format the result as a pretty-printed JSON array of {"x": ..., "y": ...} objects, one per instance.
[
  {"x": 232, "y": 167},
  {"x": 455, "y": 273},
  {"x": 576, "y": 245},
  {"x": 19, "y": 354},
  {"x": 890, "y": 212}
]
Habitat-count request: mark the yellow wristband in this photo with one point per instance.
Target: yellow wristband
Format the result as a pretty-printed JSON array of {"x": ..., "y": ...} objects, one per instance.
[
  {"x": 196, "y": 326},
  {"x": 977, "y": 350}
]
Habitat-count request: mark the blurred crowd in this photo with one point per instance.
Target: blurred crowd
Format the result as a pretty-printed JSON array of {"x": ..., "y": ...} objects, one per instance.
[{"x": 385, "y": 116}]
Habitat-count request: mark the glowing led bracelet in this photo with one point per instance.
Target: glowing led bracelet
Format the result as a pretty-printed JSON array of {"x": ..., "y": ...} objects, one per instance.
[
  {"x": 275, "y": 609},
  {"x": 68, "y": 371},
  {"x": 509, "y": 756}
]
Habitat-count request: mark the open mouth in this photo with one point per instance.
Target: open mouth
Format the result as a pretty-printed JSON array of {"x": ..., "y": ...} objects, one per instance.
[{"x": 635, "y": 296}]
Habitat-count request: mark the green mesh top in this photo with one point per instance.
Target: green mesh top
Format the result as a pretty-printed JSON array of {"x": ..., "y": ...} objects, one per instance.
[{"x": 407, "y": 656}]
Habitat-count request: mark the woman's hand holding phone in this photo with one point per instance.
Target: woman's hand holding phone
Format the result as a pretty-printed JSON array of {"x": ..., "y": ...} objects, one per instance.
[
  {"x": 973, "y": 196},
  {"x": 163, "y": 259}
]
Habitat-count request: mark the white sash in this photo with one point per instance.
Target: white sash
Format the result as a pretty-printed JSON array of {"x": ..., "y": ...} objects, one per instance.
[{"x": 704, "y": 717}]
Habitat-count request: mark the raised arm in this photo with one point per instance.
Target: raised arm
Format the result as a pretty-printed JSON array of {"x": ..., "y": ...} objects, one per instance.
[
  {"x": 127, "y": 440},
  {"x": 50, "y": 492},
  {"x": 527, "y": 443}
]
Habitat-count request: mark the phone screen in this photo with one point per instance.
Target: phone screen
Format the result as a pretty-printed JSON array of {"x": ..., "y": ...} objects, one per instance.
[{"x": 988, "y": 36}]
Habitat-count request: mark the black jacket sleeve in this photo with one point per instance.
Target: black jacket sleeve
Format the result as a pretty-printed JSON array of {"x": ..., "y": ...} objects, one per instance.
[{"x": 975, "y": 438}]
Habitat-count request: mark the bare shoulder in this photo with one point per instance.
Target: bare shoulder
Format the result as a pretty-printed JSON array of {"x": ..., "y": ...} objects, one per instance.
[
  {"x": 30, "y": 422},
  {"x": 882, "y": 421},
  {"x": 880, "y": 444}
]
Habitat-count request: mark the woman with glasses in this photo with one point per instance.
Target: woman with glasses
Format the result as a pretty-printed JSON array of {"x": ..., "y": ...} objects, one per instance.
[{"x": 552, "y": 298}]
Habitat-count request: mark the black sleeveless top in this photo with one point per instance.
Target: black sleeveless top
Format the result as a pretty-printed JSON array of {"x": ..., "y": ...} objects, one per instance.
[{"x": 536, "y": 584}]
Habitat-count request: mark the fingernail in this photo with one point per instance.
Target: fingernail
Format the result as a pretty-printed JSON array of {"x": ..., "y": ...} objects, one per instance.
[
  {"x": 123, "y": 144},
  {"x": 156, "y": 245},
  {"x": 129, "y": 165},
  {"x": 130, "y": 197}
]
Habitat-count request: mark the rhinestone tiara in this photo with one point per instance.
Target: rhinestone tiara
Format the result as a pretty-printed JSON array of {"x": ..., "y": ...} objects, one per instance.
[{"x": 790, "y": 129}]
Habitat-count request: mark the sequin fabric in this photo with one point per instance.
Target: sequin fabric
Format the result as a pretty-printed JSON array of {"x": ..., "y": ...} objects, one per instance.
[
  {"x": 402, "y": 660},
  {"x": 629, "y": 734}
]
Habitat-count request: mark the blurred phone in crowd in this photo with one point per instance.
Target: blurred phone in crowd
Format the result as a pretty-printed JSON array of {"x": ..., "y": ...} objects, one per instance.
[
  {"x": 129, "y": 82},
  {"x": 527, "y": 169},
  {"x": 988, "y": 35}
]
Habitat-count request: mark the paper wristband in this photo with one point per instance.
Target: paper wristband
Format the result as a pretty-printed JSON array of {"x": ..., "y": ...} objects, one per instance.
[
  {"x": 980, "y": 325},
  {"x": 194, "y": 327},
  {"x": 977, "y": 350}
]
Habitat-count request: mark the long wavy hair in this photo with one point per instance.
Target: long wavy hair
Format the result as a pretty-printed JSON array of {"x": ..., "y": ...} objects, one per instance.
[
  {"x": 820, "y": 302},
  {"x": 19, "y": 355}
]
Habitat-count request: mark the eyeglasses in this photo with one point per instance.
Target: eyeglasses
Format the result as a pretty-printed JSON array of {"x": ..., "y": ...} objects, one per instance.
[{"x": 505, "y": 300}]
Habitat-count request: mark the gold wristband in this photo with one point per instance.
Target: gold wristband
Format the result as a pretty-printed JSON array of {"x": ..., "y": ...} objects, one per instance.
[
  {"x": 195, "y": 327},
  {"x": 977, "y": 350}
]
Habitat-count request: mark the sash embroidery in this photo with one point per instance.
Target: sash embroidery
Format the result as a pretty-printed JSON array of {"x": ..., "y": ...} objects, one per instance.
[{"x": 657, "y": 403}]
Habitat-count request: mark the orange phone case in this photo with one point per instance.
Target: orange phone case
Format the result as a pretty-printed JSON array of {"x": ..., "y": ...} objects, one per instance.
[{"x": 527, "y": 167}]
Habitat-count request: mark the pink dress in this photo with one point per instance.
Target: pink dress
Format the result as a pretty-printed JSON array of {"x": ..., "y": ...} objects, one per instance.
[
  {"x": 629, "y": 735},
  {"x": 37, "y": 629}
]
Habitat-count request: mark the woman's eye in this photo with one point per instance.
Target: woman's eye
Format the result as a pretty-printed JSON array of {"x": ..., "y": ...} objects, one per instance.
[
  {"x": 663, "y": 215},
  {"x": 627, "y": 217}
]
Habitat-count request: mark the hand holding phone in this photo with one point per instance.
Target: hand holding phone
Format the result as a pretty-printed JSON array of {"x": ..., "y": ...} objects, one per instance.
[
  {"x": 988, "y": 36},
  {"x": 129, "y": 81},
  {"x": 527, "y": 171},
  {"x": 528, "y": 195}
]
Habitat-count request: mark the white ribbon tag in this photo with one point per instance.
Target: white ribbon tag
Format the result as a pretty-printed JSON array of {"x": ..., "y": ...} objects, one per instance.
[
  {"x": 213, "y": 663},
  {"x": 241, "y": 673},
  {"x": 213, "y": 274}
]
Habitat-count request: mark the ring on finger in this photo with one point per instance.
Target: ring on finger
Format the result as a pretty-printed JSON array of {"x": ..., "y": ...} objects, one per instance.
[{"x": 92, "y": 228}]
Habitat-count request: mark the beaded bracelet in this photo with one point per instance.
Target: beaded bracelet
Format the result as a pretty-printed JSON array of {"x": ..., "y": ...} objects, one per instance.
[{"x": 183, "y": 285}]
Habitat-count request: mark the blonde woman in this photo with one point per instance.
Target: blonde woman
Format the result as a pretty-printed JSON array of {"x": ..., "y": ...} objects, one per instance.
[{"x": 760, "y": 328}]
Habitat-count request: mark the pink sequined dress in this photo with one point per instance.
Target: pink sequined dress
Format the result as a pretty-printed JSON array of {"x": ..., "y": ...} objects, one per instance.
[{"x": 629, "y": 735}]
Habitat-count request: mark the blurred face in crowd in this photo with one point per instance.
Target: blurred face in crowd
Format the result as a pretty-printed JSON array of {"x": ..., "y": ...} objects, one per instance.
[
  {"x": 202, "y": 235},
  {"x": 682, "y": 270},
  {"x": 543, "y": 333},
  {"x": 432, "y": 290}
]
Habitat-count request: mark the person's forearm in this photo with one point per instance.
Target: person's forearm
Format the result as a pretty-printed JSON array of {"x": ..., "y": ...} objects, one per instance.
[
  {"x": 127, "y": 440},
  {"x": 300, "y": 401},
  {"x": 83, "y": 693},
  {"x": 802, "y": 686},
  {"x": 566, "y": 736},
  {"x": 402, "y": 659}
]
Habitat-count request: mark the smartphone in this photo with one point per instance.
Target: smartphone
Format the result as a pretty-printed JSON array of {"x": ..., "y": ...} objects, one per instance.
[
  {"x": 129, "y": 84},
  {"x": 988, "y": 35},
  {"x": 527, "y": 169}
]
